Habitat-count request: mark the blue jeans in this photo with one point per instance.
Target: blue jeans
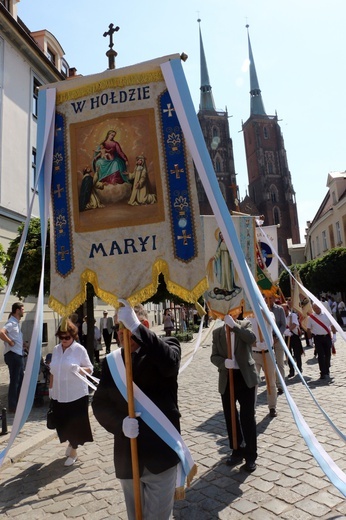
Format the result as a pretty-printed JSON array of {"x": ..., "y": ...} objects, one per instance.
[{"x": 15, "y": 365}]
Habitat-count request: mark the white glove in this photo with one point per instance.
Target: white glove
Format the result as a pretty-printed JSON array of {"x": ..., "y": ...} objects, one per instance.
[
  {"x": 75, "y": 368},
  {"x": 128, "y": 317},
  {"x": 130, "y": 427},
  {"x": 288, "y": 333},
  {"x": 334, "y": 338},
  {"x": 229, "y": 363},
  {"x": 229, "y": 321},
  {"x": 50, "y": 393}
]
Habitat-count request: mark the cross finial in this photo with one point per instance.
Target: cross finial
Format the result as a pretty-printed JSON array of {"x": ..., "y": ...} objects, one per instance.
[
  {"x": 111, "y": 53},
  {"x": 110, "y": 33}
]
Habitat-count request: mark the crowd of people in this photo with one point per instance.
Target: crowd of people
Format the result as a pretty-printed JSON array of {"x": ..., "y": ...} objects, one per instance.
[{"x": 240, "y": 351}]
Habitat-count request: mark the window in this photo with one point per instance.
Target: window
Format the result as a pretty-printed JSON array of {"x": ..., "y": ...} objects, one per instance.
[
  {"x": 276, "y": 215},
  {"x": 64, "y": 68},
  {"x": 33, "y": 168},
  {"x": 338, "y": 233},
  {"x": 217, "y": 166},
  {"x": 324, "y": 241},
  {"x": 35, "y": 87},
  {"x": 6, "y": 3},
  {"x": 215, "y": 132},
  {"x": 265, "y": 133},
  {"x": 51, "y": 55},
  {"x": 318, "y": 246}
]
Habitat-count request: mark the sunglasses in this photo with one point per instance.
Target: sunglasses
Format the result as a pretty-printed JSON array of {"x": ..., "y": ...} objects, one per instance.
[{"x": 64, "y": 337}]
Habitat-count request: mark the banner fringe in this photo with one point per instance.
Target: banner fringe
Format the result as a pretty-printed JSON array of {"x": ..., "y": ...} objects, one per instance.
[{"x": 160, "y": 266}]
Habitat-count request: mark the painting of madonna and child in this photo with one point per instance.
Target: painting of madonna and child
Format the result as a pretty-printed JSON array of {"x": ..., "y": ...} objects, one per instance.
[{"x": 116, "y": 172}]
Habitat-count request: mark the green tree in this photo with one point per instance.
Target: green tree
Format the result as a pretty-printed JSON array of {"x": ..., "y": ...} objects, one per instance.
[
  {"x": 27, "y": 280},
  {"x": 326, "y": 274},
  {"x": 3, "y": 258}
]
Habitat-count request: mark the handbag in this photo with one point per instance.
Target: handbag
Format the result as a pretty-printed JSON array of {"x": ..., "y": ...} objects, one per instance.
[{"x": 50, "y": 417}]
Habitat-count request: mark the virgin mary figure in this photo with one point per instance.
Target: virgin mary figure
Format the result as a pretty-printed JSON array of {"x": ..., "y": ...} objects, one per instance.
[{"x": 110, "y": 162}]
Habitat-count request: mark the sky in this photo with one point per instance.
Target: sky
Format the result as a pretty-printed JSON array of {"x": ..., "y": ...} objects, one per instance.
[{"x": 298, "y": 49}]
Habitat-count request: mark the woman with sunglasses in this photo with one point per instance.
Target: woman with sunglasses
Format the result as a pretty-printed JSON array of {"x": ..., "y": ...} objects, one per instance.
[{"x": 69, "y": 392}]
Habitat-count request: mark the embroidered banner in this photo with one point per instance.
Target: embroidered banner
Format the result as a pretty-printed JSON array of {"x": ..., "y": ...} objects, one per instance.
[
  {"x": 124, "y": 201},
  {"x": 225, "y": 292}
]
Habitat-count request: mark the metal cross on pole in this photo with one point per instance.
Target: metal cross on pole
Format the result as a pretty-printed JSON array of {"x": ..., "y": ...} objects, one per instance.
[{"x": 111, "y": 54}]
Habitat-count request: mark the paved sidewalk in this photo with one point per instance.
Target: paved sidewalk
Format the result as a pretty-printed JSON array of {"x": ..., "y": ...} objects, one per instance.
[{"x": 288, "y": 484}]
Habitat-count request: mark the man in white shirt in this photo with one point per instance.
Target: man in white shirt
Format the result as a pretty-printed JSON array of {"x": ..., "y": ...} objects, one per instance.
[
  {"x": 13, "y": 354},
  {"x": 320, "y": 326},
  {"x": 106, "y": 327}
]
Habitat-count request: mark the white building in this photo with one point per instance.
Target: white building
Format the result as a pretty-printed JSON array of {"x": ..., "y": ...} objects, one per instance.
[
  {"x": 27, "y": 60},
  {"x": 328, "y": 228}
]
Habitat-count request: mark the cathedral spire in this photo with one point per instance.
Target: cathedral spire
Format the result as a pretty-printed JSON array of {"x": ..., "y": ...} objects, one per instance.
[
  {"x": 207, "y": 100},
  {"x": 256, "y": 107}
]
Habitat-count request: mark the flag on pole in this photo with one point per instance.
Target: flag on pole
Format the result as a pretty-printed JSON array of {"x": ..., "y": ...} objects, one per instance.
[
  {"x": 124, "y": 201},
  {"x": 225, "y": 293},
  {"x": 300, "y": 301},
  {"x": 267, "y": 237}
]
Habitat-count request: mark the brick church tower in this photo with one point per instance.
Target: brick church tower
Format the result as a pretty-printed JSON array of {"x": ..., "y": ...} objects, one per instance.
[
  {"x": 270, "y": 185},
  {"x": 215, "y": 129}
]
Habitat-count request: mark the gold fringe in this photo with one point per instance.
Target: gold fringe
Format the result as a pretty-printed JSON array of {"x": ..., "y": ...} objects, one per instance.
[
  {"x": 160, "y": 266},
  {"x": 108, "y": 83},
  {"x": 179, "y": 493}
]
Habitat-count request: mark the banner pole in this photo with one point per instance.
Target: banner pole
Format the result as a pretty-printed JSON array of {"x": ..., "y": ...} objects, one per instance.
[
  {"x": 231, "y": 390},
  {"x": 132, "y": 414}
]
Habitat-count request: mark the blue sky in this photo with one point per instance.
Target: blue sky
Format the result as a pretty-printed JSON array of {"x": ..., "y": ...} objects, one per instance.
[{"x": 298, "y": 50}]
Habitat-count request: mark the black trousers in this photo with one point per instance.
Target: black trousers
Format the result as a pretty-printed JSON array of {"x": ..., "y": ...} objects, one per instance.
[
  {"x": 296, "y": 350},
  {"x": 107, "y": 339},
  {"x": 245, "y": 417},
  {"x": 323, "y": 345}
]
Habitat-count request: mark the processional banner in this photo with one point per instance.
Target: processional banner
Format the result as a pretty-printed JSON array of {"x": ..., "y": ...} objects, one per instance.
[
  {"x": 124, "y": 200},
  {"x": 225, "y": 293},
  {"x": 267, "y": 237}
]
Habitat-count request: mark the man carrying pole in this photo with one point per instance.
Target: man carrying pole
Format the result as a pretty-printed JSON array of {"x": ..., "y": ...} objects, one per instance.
[
  {"x": 155, "y": 366},
  {"x": 241, "y": 365}
]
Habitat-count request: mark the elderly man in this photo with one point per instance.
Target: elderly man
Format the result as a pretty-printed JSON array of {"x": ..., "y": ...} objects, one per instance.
[
  {"x": 106, "y": 328},
  {"x": 321, "y": 327},
  {"x": 245, "y": 379}
]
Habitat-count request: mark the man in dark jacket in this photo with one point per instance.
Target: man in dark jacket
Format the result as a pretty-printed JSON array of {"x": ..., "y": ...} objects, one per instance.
[
  {"x": 245, "y": 379},
  {"x": 155, "y": 367}
]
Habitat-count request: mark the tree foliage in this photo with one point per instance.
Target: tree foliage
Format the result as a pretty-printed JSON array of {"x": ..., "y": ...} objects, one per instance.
[
  {"x": 3, "y": 257},
  {"x": 326, "y": 274},
  {"x": 27, "y": 280}
]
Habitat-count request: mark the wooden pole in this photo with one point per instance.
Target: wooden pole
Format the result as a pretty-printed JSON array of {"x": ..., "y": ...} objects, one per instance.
[
  {"x": 231, "y": 391},
  {"x": 131, "y": 408}
]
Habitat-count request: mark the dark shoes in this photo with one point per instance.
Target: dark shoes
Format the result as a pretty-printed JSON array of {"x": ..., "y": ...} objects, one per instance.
[
  {"x": 290, "y": 375},
  {"x": 280, "y": 391},
  {"x": 234, "y": 460},
  {"x": 249, "y": 466},
  {"x": 273, "y": 413}
]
